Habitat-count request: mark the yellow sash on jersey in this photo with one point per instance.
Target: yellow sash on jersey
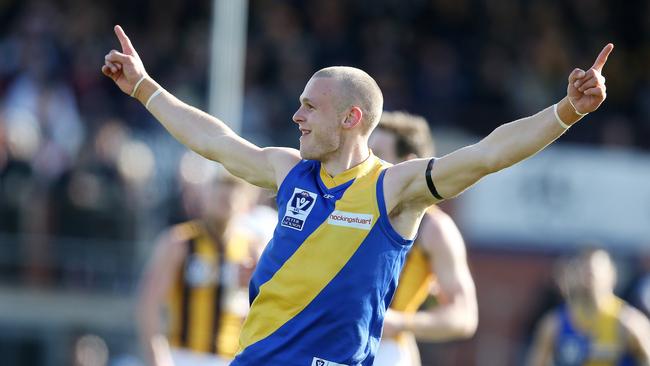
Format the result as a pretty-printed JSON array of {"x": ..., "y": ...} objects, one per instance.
[{"x": 292, "y": 287}]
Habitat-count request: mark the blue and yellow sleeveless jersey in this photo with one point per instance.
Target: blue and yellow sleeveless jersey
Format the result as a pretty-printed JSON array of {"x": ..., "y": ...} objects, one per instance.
[
  {"x": 596, "y": 341},
  {"x": 322, "y": 286}
]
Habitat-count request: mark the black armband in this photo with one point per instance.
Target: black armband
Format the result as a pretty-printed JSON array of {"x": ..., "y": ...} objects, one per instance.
[{"x": 432, "y": 187}]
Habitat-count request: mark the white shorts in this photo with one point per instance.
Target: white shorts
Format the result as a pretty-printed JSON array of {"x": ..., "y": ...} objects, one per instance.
[
  {"x": 183, "y": 357},
  {"x": 392, "y": 353}
]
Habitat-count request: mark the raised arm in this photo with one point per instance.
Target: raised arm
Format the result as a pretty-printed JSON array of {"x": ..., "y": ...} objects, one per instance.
[
  {"x": 201, "y": 132},
  {"x": 505, "y": 146}
]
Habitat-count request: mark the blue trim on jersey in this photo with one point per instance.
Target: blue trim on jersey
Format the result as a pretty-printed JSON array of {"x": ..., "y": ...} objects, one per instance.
[
  {"x": 336, "y": 191},
  {"x": 384, "y": 219}
]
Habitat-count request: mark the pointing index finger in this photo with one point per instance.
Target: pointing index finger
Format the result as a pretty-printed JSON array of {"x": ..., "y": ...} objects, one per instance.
[
  {"x": 602, "y": 57},
  {"x": 125, "y": 42}
]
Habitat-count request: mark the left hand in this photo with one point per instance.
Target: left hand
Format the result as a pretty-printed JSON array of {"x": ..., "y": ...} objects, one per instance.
[{"x": 586, "y": 89}]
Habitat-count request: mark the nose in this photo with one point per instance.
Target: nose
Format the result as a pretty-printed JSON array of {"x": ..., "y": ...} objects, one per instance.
[{"x": 298, "y": 116}]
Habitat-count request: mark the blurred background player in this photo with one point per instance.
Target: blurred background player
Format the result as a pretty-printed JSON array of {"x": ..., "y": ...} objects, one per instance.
[
  {"x": 594, "y": 326},
  {"x": 199, "y": 271},
  {"x": 436, "y": 262}
]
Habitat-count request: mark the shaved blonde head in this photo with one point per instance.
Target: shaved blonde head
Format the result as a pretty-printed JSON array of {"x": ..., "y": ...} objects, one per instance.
[{"x": 359, "y": 89}]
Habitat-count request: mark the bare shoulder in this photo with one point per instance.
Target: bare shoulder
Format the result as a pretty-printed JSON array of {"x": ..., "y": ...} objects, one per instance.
[
  {"x": 405, "y": 184},
  {"x": 636, "y": 327},
  {"x": 436, "y": 220},
  {"x": 282, "y": 159},
  {"x": 182, "y": 232},
  {"x": 548, "y": 325},
  {"x": 173, "y": 241},
  {"x": 405, "y": 171},
  {"x": 282, "y": 154},
  {"x": 170, "y": 250},
  {"x": 634, "y": 321},
  {"x": 439, "y": 233}
]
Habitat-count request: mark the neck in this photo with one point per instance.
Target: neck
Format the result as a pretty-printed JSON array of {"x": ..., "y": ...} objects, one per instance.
[
  {"x": 601, "y": 301},
  {"x": 346, "y": 158},
  {"x": 590, "y": 304}
]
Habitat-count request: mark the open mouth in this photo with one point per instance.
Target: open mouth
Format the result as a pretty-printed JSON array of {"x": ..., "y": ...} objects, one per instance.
[{"x": 304, "y": 132}]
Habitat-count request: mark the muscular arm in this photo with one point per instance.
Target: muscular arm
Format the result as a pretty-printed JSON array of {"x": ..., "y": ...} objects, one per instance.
[
  {"x": 153, "y": 289},
  {"x": 505, "y": 146},
  {"x": 456, "y": 316},
  {"x": 201, "y": 132},
  {"x": 541, "y": 351},
  {"x": 637, "y": 328}
]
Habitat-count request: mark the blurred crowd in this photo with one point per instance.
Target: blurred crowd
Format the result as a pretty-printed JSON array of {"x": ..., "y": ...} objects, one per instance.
[
  {"x": 87, "y": 175},
  {"x": 80, "y": 160}
]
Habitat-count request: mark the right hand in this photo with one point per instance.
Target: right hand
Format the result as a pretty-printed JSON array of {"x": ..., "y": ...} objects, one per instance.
[
  {"x": 586, "y": 90},
  {"x": 125, "y": 68}
]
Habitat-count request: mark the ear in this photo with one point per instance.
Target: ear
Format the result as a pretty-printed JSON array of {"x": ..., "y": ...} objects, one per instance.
[{"x": 353, "y": 118}]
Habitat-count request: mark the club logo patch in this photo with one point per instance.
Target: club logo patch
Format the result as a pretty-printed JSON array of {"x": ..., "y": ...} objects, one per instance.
[
  {"x": 321, "y": 362},
  {"x": 298, "y": 208}
]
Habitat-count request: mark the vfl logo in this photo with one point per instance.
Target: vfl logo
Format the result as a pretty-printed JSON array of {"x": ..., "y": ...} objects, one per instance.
[
  {"x": 298, "y": 208},
  {"x": 320, "y": 362}
]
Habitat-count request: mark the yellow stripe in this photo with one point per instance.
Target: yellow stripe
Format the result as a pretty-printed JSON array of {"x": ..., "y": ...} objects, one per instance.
[{"x": 293, "y": 287}]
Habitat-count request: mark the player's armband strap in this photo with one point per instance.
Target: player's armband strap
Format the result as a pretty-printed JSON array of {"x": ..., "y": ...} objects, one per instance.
[{"x": 432, "y": 187}]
